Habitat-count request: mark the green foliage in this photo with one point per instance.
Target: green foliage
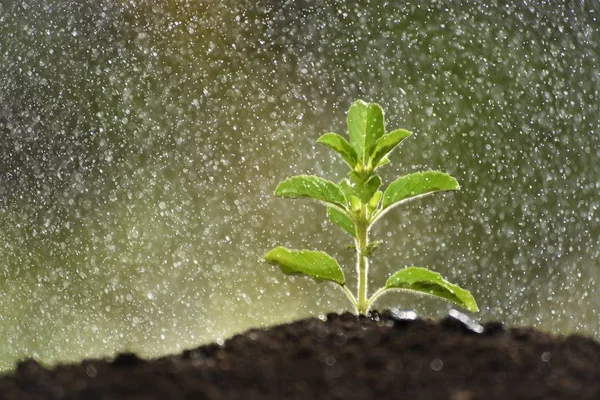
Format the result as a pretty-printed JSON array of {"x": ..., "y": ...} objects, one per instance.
[
  {"x": 315, "y": 264},
  {"x": 370, "y": 248},
  {"x": 312, "y": 187},
  {"x": 418, "y": 184},
  {"x": 341, "y": 146},
  {"x": 363, "y": 190},
  {"x": 365, "y": 127},
  {"x": 342, "y": 220},
  {"x": 428, "y": 282},
  {"x": 386, "y": 144},
  {"x": 357, "y": 202}
]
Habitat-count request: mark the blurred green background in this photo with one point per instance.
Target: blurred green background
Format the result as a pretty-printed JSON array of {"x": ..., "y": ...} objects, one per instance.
[{"x": 140, "y": 144}]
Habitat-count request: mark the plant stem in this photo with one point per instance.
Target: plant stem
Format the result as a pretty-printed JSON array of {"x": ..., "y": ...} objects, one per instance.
[
  {"x": 377, "y": 294},
  {"x": 350, "y": 296},
  {"x": 362, "y": 263}
]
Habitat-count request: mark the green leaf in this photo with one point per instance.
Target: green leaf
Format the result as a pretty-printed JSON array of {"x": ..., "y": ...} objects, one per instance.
[
  {"x": 341, "y": 220},
  {"x": 370, "y": 188},
  {"x": 365, "y": 126},
  {"x": 355, "y": 204},
  {"x": 315, "y": 264},
  {"x": 364, "y": 191},
  {"x": 371, "y": 247},
  {"x": 374, "y": 202},
  {"x": 422, "y": 280},
  {"x": 312, "y": 187},
  {"x": 416, "y": 185},
  {"x": 386, "y": 144},
  {"x": 341, "y": 146},
  {"x": 384, "y": 161}
]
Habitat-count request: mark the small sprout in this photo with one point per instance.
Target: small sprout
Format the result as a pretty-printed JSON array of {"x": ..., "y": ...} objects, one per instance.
[
  {"x": 368, "y": 251},
  {"x": 357, "y": 202}
]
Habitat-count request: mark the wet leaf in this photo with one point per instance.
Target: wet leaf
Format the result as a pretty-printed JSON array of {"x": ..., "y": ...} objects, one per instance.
[
  {"x": 364, "y": 191},
  {"x": 365, "y": 126},
  {"x": 371, "y": 247},
  {"x": 312, "y": 187},
  {"x": 416, "y": 185},
  {"x": 341, "y": 146},
  {"x": 384, "y": 161},
  {"x": 371, "y": 188},
  {"x": 374, "y": 201},
  {"x": 386, "y": 144},
  {"x": 422, "y": 280},
  {"x": 341, "y": 220},
  {"x": 315, "y": 264},
  {"x": 355, "y": 204}
]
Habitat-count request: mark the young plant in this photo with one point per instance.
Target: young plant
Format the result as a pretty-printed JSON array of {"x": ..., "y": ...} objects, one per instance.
[{"x": 357, "y": 202}]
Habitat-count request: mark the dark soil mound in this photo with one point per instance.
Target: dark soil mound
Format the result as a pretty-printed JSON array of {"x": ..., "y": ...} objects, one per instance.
[{"x": 344, "y": 357}]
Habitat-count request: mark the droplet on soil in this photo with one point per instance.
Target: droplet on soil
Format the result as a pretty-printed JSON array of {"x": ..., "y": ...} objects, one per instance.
[
  {"x": 469, "y": 323},
  {"x": 405, "y": 315},
  {"x": 436, "y": 365}
]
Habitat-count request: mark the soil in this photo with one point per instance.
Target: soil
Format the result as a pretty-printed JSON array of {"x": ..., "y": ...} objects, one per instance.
[{"x": 387, "y": 355}]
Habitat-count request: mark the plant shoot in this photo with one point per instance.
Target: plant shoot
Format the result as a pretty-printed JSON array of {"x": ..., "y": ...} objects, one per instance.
[{"x": 358, "y": 202}]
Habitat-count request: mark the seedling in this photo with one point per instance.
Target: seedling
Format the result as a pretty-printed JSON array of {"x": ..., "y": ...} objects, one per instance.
[{"x": 356, "y": 204}]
